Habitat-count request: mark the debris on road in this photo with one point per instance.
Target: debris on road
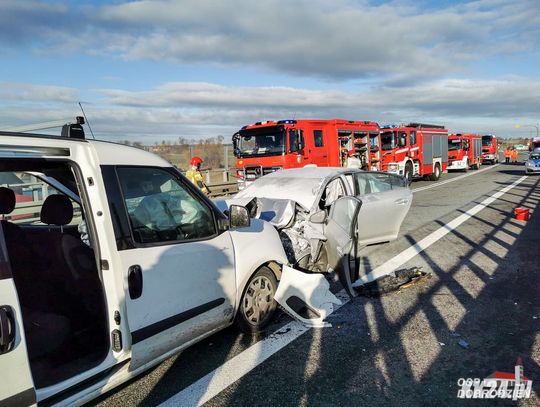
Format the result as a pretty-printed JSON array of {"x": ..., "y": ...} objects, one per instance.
[
  {"x": 463, "y": 343},
  {"x": 400, "y": 279}
]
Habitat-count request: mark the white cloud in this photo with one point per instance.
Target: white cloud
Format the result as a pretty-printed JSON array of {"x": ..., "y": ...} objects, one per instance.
[{"x": 342, "y": 39}]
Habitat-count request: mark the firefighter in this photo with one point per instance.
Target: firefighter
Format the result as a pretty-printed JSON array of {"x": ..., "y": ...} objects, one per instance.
[
  {"x": 514, "y": 155},
  {"x": 507, "y": 154},
  {"x": 353, "y": 161},
  {"x": 195, "y": 176}
]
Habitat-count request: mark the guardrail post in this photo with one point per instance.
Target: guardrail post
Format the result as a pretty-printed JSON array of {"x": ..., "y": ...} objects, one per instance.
[{"x": 207, "y": 177}]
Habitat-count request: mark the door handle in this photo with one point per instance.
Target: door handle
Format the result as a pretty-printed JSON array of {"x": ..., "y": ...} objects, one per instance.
[
  {"x": 135, "y": 281},
  {"x": 401, "y": 201},
  {"x": 7, "y": 329}
]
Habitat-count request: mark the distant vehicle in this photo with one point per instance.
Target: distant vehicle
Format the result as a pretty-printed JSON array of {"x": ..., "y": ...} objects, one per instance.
[
  {"x": 534, "y": 144},
  {"x": 464, "y": 151},
  {"x": 532, "y": 165},
  {"x": 264, "y": 147},
  {"x": 490, "y": 153},
  {"x": 324, "y": 214},
  {"x": 415, "y": 150}
]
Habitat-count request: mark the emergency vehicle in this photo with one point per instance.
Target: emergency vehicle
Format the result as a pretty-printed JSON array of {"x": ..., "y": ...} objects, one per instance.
[
  {"x": 534, "y": 145},
  {"x": 264, "y": 147},
  {"x": 490, "y": 152},
  {"x": 415, "y": 150},
  {"x": 464, "y": 151}
]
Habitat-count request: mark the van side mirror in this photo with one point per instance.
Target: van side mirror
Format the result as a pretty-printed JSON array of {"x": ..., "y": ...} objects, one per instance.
[
  {"x": 318, "y": 217},
  {"x": 238, "y": 217}
]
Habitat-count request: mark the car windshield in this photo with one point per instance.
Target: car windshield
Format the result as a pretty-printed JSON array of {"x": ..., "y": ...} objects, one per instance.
[
  {"x": 486, "y": 140},
  {"x": 267, "y": 141},
  {"x": 454, "y": 144},
  {"x": 534, "y": 156},
  {"x": 388, "y": 140}
]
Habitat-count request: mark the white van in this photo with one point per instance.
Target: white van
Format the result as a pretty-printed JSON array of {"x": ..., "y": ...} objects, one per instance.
[{"x": 111, "y": 261}]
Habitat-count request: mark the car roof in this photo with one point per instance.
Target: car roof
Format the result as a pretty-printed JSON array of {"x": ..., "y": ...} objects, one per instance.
[{"x": 301, "y": 185}]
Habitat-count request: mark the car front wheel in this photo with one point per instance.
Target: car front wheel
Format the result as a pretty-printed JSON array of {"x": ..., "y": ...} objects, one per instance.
[{"x": 257, "y": 305}]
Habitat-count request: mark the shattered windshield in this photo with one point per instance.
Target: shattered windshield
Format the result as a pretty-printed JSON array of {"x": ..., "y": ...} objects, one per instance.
[
  {"x": 454, "y": 145},
  {"x": 388, "y": 140},
  {"x": 265, "y": 141}
]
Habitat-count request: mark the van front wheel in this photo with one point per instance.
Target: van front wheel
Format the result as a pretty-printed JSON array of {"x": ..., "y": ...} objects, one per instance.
[{"x": 257, "y": 305}]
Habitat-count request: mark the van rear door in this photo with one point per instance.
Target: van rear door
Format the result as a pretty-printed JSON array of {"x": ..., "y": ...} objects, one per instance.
[{"x": 17, "y": 387}]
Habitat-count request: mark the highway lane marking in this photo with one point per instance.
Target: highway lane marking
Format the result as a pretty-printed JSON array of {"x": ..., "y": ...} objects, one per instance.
[
  {"x": 234, "y": 369},
  {"x": 438, "y": 184},
  {"x": 406, "y": 255},
  {"x": 213, "y": 383}
]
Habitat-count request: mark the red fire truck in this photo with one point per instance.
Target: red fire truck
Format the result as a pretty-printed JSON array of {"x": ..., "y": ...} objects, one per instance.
[
  {"x": 415, "y": 150},
  {"x": 490, "y": 151},
  {"x": 464, "y": 151},
  {"x": 265, "y": 147}
]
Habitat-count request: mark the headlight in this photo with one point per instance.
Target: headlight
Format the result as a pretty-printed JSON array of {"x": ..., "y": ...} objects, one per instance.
[
  {"x": 393, "y": 167},
  {"x": 529, "y": 164}
]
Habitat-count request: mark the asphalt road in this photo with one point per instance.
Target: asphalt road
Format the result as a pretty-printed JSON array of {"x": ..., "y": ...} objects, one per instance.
[{"x": 402, "y": 348}]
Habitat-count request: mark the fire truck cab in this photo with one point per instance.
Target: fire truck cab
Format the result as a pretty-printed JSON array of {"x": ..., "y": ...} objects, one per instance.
[
  {"x": 264, "y": 147},
  {"x": 415, "y": 150},
  {"x": 464, "y": 151},
  {"x": 490, "y": 151}
]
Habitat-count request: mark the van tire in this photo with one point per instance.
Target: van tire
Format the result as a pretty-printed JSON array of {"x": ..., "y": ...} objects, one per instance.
[
  {"x": 257, "y": 305},
  {"x": 436, "y": 173}
]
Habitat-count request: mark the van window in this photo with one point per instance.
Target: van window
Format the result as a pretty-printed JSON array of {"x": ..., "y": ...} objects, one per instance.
[
  {"x": 318, "y": 138},
  {"x": 161, "y": 208},
  {"x": 30, "y": 193}
]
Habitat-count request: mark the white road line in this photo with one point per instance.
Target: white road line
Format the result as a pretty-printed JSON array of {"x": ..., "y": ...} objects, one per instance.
[
  {"x": 234, "y": 369},
  {"x": 408, "y": 254},
  {"x": 438, "y": 184}
]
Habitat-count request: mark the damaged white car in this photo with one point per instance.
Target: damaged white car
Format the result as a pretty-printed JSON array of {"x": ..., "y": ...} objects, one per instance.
[{"x": 325, "y": 215}]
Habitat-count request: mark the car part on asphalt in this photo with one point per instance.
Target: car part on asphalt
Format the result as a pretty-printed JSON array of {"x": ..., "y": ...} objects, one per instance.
[{"x": 401, "y": 279}]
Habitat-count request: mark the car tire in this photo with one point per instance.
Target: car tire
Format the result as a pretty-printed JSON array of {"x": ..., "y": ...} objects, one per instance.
[
  {"x": 257, "y": 305},
  {"x": 436, "y": 173},
  {"x": 408, "y": 174}
]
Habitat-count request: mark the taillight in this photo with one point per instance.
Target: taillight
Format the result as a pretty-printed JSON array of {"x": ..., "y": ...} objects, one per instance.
[{"x": 240, "y": 174}]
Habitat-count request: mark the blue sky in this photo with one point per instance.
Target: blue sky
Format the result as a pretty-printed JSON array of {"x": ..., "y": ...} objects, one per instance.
[{"x": 154, "y": 70}]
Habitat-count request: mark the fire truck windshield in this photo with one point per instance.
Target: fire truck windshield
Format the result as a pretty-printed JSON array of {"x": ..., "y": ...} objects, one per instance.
[
  {"x": 454, "y": 145},
  {"x": 388, "y": 140},
  {"x": 266, "y": 141},
  {"x": 486, "y": 140}
]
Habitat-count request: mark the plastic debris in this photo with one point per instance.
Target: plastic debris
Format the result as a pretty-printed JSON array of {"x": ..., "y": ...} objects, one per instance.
[
  {"x": 463, "y": 343},
  {"x": 454, "y": 334},
  {"x": 442, "y": 343},
  {"x": 399, "y": 280}
]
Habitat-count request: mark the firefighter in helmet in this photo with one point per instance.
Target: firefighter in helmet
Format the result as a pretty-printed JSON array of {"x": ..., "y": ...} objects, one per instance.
[{"x": 195, "y": 176}]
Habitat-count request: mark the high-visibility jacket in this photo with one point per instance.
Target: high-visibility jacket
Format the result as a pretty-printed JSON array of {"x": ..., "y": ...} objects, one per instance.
[
  {"x": 196, "y": 178},
  {"x": 507, "y": 153},
  {"x": 514, "y": 155}
]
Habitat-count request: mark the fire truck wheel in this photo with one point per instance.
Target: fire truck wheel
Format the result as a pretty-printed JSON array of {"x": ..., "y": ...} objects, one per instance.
[
  {"x": 408, "y": 172},
  {"x": 436, "y": 172}
]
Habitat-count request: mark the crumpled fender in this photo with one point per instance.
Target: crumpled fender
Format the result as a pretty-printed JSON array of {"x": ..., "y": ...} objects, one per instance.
[{"x": 311, "y": 290}]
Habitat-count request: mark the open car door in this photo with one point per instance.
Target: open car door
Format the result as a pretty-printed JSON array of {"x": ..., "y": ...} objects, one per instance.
[
  {"x": 17, "y": 388},
  {"x": 341, "y": 239}
]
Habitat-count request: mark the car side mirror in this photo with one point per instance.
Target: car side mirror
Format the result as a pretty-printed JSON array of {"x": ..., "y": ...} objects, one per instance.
[
  {"x": 318, "y": 217},
  {"x": 238, "y": 217}
]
